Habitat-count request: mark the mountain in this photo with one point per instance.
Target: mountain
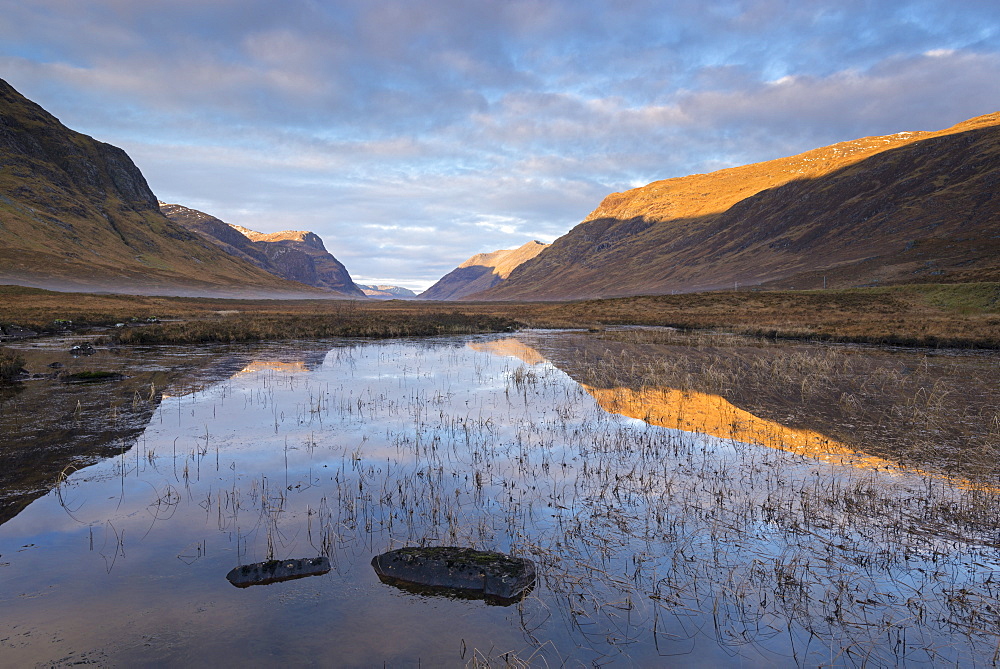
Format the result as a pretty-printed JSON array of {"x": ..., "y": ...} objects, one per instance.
[
  {"x": 387, "y": 292},
  {"x": 293, "y": 255},
  {"x": 77, "y": 214},
  {"x": 913, "y": 207},
  {"x": 481, "y": 272}
]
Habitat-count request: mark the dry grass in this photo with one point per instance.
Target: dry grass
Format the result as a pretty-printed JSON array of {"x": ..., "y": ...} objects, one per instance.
[
  {"x": 10, "y": 364},
  {"x": 966, "y": 315},
  {"x": 271, "y": 327}
]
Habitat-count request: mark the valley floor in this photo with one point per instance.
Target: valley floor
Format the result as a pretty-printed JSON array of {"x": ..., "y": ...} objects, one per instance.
[{"x": 933, "y": 315}]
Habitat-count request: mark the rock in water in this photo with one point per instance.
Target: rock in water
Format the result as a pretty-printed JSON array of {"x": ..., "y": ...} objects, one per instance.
[
  {"x": 275, "y": 571},
  {"x": 494, "y": 575}
]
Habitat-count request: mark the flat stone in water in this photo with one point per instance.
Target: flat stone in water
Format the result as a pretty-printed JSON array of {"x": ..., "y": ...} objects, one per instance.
[
  {"x": 466, "y": 570},
  {"x": 275, "y": 571}
]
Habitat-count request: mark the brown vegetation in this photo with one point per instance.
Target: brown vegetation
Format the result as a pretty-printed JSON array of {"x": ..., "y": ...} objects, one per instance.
[
  {"x": 11, "y": 363},
  {"x": 965, "y": 315},
  {"x": 78, "y": 214}
]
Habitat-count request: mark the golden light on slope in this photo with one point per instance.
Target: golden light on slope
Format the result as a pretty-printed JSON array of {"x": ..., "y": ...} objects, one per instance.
[
  {"x": 509, "y": 347},
  {"x": 264, "y": 365},
  {"x": 713, "y": 415}
]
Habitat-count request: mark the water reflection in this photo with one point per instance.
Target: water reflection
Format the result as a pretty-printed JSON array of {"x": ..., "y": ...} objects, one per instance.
[
  {"x": 653, "y": 543},
  {"x": 511, "y": 346},
  {"x": 713, "y": 415},
  {"x": 442, "y": 592}
]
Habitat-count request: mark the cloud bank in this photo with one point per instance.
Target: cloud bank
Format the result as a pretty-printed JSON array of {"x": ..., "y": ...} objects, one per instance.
[{"x": 412, "y": 134}]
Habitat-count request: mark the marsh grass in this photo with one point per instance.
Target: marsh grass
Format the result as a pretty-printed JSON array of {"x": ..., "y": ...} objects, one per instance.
[
  {"x": 962, "y": 315},
  {"x": 11, "y": 363},
  {"x": 351, "y": 323},
  {"x": 937, "y": 410},
  {"x": 651, "y": 543},
  {"x": 965, "y": 315}
]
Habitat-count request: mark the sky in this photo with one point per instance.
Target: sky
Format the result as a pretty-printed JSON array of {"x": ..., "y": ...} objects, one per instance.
[{"x": 411, "y": 135}]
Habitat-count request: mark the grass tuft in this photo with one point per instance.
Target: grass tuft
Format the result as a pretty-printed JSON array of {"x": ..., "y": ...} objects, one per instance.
[{"x": 10, "y": 364}]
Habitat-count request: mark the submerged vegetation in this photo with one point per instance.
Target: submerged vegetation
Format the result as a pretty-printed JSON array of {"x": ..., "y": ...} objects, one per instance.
[
  {"x": 922, "y": 408},
  {"x": 652, "y": 544}
]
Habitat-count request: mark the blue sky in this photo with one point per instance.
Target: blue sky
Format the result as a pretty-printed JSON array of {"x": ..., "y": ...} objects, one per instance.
[{"x": 411, "y": 135}]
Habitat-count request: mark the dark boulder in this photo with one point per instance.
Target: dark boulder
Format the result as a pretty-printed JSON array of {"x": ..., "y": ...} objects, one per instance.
[
  {"x": 494, "y": 576},
  {"x": 275, "y": 571}
]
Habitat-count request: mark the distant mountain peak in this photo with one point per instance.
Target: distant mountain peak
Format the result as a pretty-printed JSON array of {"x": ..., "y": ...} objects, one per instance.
[
  {"x": 481, "y": 272},
  {"x": 295, "y": 255},
  {"x": 387, "y": 292},
  {"x": 310, "y": 239}
]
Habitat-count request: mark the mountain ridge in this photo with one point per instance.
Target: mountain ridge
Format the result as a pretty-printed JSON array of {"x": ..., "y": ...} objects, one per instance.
[
  {"x": 296, "y": 255},
  {"x": 890, "y": 209},
  {"x": 77, "y": 214},
  {"x": 387, "y": 292}
]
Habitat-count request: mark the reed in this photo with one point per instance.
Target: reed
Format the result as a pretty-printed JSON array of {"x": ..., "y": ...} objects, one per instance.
[{"x": 11, "y": 363}]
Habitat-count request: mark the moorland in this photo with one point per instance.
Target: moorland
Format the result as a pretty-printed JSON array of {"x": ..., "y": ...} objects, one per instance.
[{"x": 924, "y": 315}]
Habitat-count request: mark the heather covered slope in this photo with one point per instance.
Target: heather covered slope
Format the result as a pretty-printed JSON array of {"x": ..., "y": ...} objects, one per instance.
[
  {"x": 293, "y": 255},
  {"x": 905, "y": 208},
  {"x": 481, "y": 271},
  {"x": 77, "y": 214}
]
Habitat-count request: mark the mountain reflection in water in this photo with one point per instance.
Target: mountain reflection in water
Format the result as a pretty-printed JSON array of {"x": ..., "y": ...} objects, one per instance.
[
  {"x": 654, "y": 543},
  {"x": 714, "y": 415}
]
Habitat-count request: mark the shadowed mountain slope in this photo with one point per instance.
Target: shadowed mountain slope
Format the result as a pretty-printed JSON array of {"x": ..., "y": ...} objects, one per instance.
[
  {"x": 481, "y": 272},
  {"x": 905, "y": 208},
  {"x": 76, "y": 213},
  {"x": 293, "y": 255}
]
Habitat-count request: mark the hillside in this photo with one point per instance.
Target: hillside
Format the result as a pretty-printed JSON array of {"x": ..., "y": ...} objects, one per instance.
[
  {"x": 481, "y": 272},
  {"x": 77, "y": 214},
  {"x": 293, "y": 255},
  {"x": 905, "y": 208}
]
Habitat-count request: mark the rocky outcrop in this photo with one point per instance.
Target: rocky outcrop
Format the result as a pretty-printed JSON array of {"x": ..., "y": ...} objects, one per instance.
[
  {"x": 905, "y": 208},
  {"x": 284, "y": 249},
  {"x": 293, "y": 255},
  {"x": 481, "y": 272},
  {"x": 77, "y": 214}
]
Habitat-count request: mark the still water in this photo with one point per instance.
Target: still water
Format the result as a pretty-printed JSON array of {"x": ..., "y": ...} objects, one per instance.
[{"x": 668, "y": 527}]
